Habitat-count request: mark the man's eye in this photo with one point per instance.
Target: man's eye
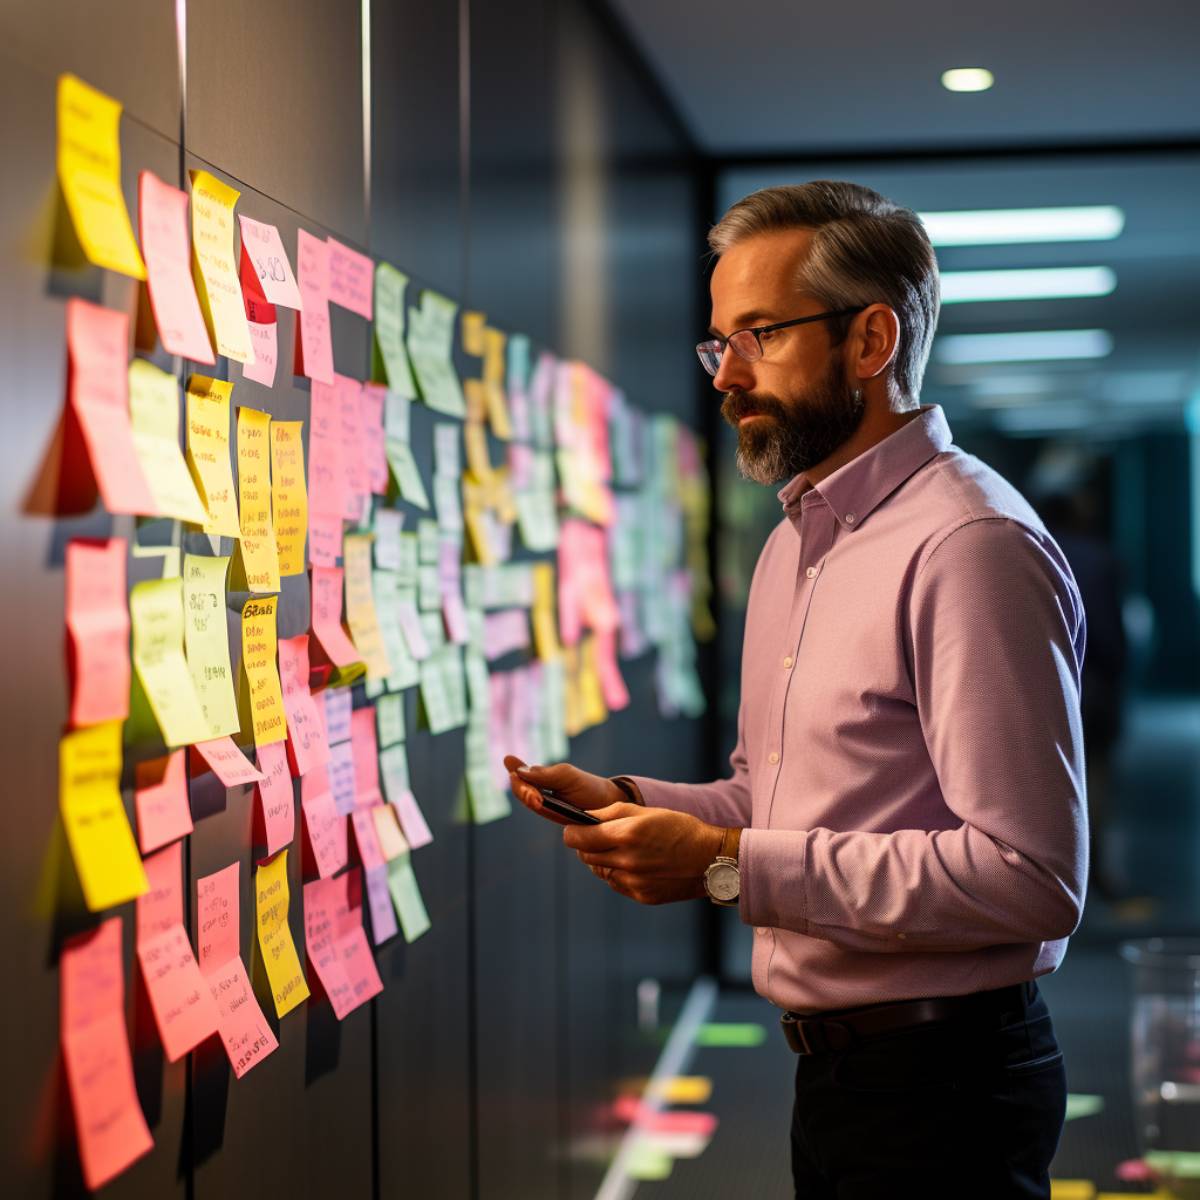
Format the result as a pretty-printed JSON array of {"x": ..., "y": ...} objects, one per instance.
[{"x": 766, "y": 337}]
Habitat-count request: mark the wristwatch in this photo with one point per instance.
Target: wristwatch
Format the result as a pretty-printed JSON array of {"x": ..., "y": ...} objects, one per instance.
[{"x": 722, "y": 879}]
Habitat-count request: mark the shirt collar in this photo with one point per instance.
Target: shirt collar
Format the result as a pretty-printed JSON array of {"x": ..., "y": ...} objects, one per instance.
[{"x": 862, "y": 484}]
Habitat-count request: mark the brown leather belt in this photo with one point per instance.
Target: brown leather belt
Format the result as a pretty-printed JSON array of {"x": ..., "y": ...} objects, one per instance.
[{"x": 826, "y": 1033}]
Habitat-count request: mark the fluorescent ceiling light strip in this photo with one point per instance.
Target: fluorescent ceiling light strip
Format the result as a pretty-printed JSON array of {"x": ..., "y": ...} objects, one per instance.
[
  {"x": 1041, "y": 346},
  {"x": 1039, "y": 283},
  {"x": 997, "y": 226}
]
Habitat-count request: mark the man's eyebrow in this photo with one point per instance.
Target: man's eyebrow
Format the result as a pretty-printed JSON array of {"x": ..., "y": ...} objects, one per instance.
[{"x": 746, "y": 321}]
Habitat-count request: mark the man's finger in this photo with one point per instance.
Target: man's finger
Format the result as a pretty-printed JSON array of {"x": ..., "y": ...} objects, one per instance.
[
  {"x": 613, "y": 859},
  {"x": 595, "y": 837}
]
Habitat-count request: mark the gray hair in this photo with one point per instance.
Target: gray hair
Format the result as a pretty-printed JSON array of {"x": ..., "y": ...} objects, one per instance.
[{"x": 865, "y": 250}]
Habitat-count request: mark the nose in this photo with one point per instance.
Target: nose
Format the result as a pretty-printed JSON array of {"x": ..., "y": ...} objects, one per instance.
[{"x": 734, "y": 373}]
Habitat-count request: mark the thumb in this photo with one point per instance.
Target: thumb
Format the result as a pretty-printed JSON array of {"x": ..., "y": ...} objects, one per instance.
[{"x": 558, "y": 775}]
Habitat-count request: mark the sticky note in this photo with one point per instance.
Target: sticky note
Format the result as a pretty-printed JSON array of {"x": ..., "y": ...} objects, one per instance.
[
  {"x": 355, "y": 482},
  {"x": 264, "y": 339},
  {"x": 214, "y": 266},
  {"x": 390, "y": 357},
  {"x": 259, "y": 557},
  {"x": 326, "y": 479},
  {"x": 206, "y": 640},
  {"x": 341, "y": 776},
  {"x": 406, "y": 895},
  {"x": 336, "y": 647},
  {"x": 275, "y": 936},
  {"x": 360, "y": 606},
  {"x": 366, "y": 758},
  {"x": 351, "y": 278},
  {"x": 731, "y": 1034},
  {"x": 326, "y": 827},
  {"x": 338, "y": 704},
  {"x": 412, "y": 819},
  {"x": 89, "y": 173},
  {"x": 154, "y": 416},
  {"x": 98, "y": 388},
  {"x": 389, "y": 717},
  {"x": 289, "y": 496},
  {"x": 106, "y": 858},
  {"x": 97, "y": 620},
  {"x": 430, "y": 341},
  {"x": 208, "y": 452},
  {"x": 314, "y": 347},
  {"x": 387, "y": 831},
  {"x": 612, "y": 686},
  {"x": 247, "y": 1037},
  {"x": 337, "y": 944},
  {"x": 494, "y": 358},
  {"x": 183, "y": 1006},
  {"x": 109, "y": 1125},
  {"x": 306, "y": 731},
  {"x": 406, "y": 472},
  {"x": 263, "y": 693},
  {"x": 372, "y": 399},
  {"x": 161, "y": 801},
  {"x": 383, "y": 919},
  {"x": 163, "y": 221},
  {"x": 262, "y": 245},
  {"x": 228, "y": 763},
  {"x": 545, "y": 623},
  {"x": 275, "y": 796}
]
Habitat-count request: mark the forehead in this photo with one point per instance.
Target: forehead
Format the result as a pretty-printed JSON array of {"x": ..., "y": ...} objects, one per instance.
[{"x": 758, "y": 273}]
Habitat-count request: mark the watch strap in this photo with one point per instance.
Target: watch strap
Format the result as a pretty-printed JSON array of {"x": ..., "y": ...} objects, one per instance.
[{"x": 629, "y": 788}]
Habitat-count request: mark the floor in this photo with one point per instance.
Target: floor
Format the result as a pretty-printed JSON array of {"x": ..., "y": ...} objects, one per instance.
[{"x": 1155, "y": 843}]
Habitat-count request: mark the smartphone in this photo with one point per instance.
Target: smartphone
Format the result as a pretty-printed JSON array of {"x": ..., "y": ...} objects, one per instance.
[{"x": 563, "y": 808}]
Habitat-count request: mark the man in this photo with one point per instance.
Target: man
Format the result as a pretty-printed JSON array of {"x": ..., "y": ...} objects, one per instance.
[{"x": 905, "y": 823}]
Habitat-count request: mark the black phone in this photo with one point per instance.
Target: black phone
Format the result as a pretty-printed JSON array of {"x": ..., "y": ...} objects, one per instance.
[{"x": 568, "y": 811}]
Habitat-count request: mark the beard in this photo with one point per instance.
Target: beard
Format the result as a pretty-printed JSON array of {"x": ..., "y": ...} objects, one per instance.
[{"x": 793, "y": 435}]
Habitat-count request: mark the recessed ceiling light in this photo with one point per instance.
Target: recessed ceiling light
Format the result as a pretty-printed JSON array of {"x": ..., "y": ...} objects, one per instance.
[
  {"x": 1040, "y": 346},
  {"x": 967, "y": 79},
  {"x": 1038, "y": 283},
  {"x": 1001, "y": 226}
]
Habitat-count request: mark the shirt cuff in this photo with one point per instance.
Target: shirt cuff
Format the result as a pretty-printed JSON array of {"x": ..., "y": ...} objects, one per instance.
[
  {"x": 773, "y": 866},
  {"x": 629, "y": 787}
]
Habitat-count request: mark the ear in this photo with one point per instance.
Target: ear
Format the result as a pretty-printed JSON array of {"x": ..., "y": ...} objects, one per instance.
[{"x": 874, "y": 341}]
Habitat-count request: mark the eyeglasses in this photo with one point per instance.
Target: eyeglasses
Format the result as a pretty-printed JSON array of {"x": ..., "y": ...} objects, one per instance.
[{"x": 746, "y": 344}]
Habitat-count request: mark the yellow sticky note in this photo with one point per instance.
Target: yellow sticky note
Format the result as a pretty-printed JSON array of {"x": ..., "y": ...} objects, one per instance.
[
  {"x": 106, "y": 856},
  {"x": 275, "y": 935},
  {"x": 591, "y": 696},
  {"x": 478, "y": 460},
  {"x": 472, "y": 333},
  {"x": 494, "y": 344},
  {"x": 263, "y": 694},
  {"x": 475, "y": 395},
  {"x": 156, "y": 614},
  {"x": 154, "y": 415},
  {"x": 685, "y": 1089},
  {"x": 545, "y": 623},
  {"x": 360, "y": 605},
  {"x": 260, "y": 559},
  {"x": 206, "y": 639},
  {"x": 572, "y": 711},
  {"x": 289, "y": 495},
  {"x": 208, "y": 452},
  {"x": 214, "y": 267},
  {"x": 89, "y": 172}
]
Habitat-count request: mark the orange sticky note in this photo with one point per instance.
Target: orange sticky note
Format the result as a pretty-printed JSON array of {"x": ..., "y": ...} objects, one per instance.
[
  {"x": 161, "y": 801},
  {"x": 244, "y": 1030},
  {"x": 163, "y": 221},
  {"x": 259, "y": 557},
  {"x": 366, "y": 758},
  {"x": 289, "y": 497},
  {"x": 263, "y": 694},
  {"x": 351, "y": 278},
  {"x": 336, "y": 649},
  {"x": 326, "y": 827},
  {"x": 306, "y": 732},
  {"x": 97, "y": 618},
  {"x": 288, "y": 987},
  {"x": 208, "y": 452},
  {"x": 108, "y": 1119},
  {"x": 314, "y": 347},
  {"x": 392, "y": 842},
  {"x": 98, "y": 387},
  {"x": 337, "y": 943},
  {"x": 276, "y": 797},
  {"x": 228, "y": 763},
  {"x": 214, "y": 266}
]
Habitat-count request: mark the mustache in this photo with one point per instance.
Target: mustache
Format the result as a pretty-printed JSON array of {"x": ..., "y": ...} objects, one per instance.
[{"x": 737, "y": 405}]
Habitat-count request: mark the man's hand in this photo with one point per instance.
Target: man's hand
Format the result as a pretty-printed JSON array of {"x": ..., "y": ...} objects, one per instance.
[
  {"x": 651, "y": 855},
  {"x": 577, "y": 787}
]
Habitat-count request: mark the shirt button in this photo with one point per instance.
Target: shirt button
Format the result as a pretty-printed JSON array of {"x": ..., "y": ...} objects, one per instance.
[
  {"x": 850, "y": 518},
  {"x": 787, "y": 662},
  {"x": 773, "y": 757},
  {"x": 811, "y": 572},
  {"x": 902, "y": 936}
]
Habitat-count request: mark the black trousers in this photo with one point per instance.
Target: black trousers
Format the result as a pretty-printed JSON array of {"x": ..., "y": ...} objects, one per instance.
[{"x": 969, "y": 1108}]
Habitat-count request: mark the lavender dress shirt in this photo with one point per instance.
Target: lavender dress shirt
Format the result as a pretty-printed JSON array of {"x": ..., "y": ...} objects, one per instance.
[{"x": 909, "y": 766}]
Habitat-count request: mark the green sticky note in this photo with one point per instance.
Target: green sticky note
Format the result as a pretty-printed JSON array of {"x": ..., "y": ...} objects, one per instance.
[
  {"x": 393, "y": 770},
  {"x": 389, "y": 717},
  {"x": 428, "y": 541},
  {"x": 429, "y": 588},
  {"x": 390, "y": 353},
  {"x": 646, "y": 1162},
  {"x": 406, "y": 896},
  {"x": 430, "y": 341},
  {"x": 731, "y": 1034},
  {"x": 405, "y": 472},
  {"x": 1080, "y": 1105},
  {"x": 1177, "y": 1164}
]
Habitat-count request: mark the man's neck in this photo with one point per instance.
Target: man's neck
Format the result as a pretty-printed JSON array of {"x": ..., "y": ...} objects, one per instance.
[{"x": 876, "y": 425}]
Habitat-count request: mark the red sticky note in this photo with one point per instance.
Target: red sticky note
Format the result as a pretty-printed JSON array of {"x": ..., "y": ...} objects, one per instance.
[
  {"x": 333, "y": 640},
  {"x": 97, "y": 617},
  {"x": 366, "y": 758},
  {"x": 229, "y": 764},
  {"x": 351, "y": 278},
  {"x": 161, "y": 800},
  {"x": 163, "y": 225},
  {"x": 370, "y": 852},
  {"x": 98, "y": 387},
  {"x": 326, "y": 827},
  {"x": 314, "y": 346},
  {"x": 355, "y": 481},
  {"x": 306, "y": 732},
  {"x": 183, "y": 1005},
  {"x": 276, "y": 796},
  {"x": 374, "y": 439},
  {"x": 341, "y": 776},
  {"x": 259, "y": 310},
  {"x": 108, "y": 1119},
  {"x": 262, "y": 245},
  {"x": 337, "y": 943},
  {"x": 161, "y": 906}
]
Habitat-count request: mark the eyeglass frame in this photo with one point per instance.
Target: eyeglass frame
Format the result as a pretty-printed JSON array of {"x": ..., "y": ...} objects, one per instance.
[{"x": 759, "y": 330}]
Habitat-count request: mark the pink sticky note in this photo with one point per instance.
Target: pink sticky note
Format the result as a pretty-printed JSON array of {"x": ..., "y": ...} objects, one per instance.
[
  {"x": 324, "y": 539},
  {"x": 161, "y": 906},
  {"x": 341, "y": 776},
  {"x": 314, "y": 346},
  {"x": 325, "y": 476},
  {"x": 97, "y": 617},
  {"x": 325, "y": 826},
  {"x": 229, "y": 764},
  {"x": 98, "y": 387},
  {"x": 276, "y": 796},
  {"x": 616, "y": 694},
  {"x": 355, "y": 480},
  {"x": 183, "y": 1005},
  {"x": 262, "y": 245},
  {"x": 379, "y": 900},
  {"x": 332, "y": 639},
  {"x": 374, "y": 397},
  {"x": 370, "y": 852},
  {"x": 454, "y": 611},
  {"x": 339, "y": 706},
  {"x": 217, "y": 914},
  {"x": 306, "y": 732},
  {"x": 163, "y": 222},
  {"x": 351, "y": 278},
  {"x": 366, "y": 758},
  {"x": 410, "y": 625},
  {"x": 412, "y": 820},
  {"x": 161, "y": 800},
  {"x": 337, "y": 943},
  {"x": 264, "y": 339},
  {"x": 111, "y": 1130},
  {"x": 505, "y": 631}
]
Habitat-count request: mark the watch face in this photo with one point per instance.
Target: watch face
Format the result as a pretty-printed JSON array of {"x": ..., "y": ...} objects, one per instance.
[{"x": 723, "y": 881}]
